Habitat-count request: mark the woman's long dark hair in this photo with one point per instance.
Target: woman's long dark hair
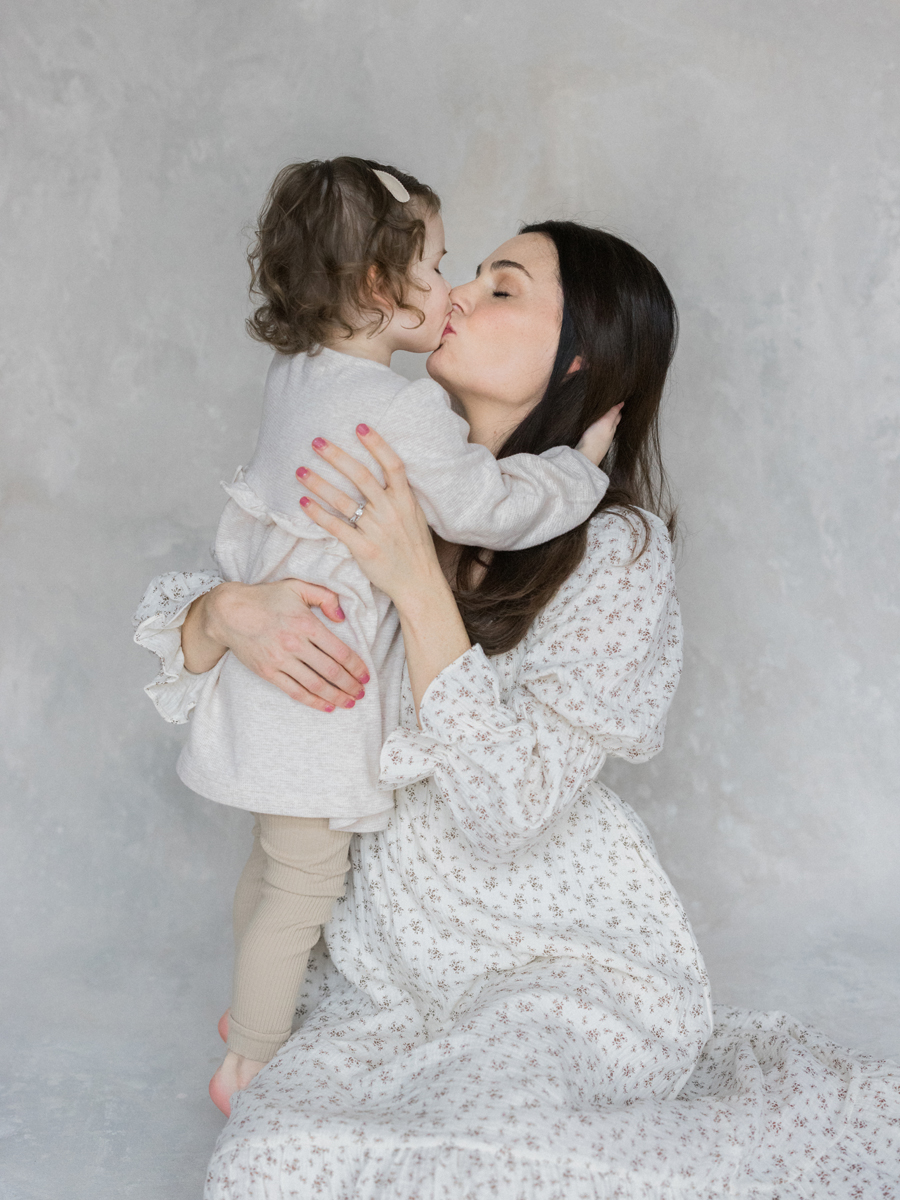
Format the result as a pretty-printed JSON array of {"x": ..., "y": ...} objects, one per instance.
[{"x": 619, "y": 316}]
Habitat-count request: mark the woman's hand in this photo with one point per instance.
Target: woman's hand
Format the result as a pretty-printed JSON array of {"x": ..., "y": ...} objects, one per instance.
[
  {"x": 390, "y": 540},
  {"x": 270, "y": 629},
  {"x": 597, "y": 438},
  {"x": 392, "y": 543}
]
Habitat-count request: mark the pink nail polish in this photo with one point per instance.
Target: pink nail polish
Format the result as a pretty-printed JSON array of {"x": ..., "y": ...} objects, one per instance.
[
  {"x": 360, "y": 694},
  {"x": 365, "y": 678},
  {"x": 350, "y": 704},
  {"x": 363, "y": 430},
  {"x": 341, "y": 614},
  {"x": 329, "y": 708},
  {"x": 304, "y": 500},
  {"x": 302, "y": 472},
  {"x": 319, "y": 443}
]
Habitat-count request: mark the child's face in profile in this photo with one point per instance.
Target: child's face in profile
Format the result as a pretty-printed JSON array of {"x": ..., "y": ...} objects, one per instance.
[{"x": 428, "y": 291}]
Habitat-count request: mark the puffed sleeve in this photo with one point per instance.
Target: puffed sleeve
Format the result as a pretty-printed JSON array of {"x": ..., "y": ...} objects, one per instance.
[
  {"x": 598, "y": 672},
  {"x": 157, "y": 627}
]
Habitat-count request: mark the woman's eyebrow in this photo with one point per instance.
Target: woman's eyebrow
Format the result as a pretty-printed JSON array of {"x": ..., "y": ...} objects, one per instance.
[{"x": 501, "y": 263}]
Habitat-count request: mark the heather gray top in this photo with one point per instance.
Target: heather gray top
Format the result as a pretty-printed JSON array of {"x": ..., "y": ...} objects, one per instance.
[{"x": 250, "y": 745}]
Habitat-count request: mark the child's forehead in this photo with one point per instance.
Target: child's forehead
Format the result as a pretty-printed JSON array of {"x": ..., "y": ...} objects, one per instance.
[
  {"x": 434, "y": 234},
  {"x": 433, "y": 221}
]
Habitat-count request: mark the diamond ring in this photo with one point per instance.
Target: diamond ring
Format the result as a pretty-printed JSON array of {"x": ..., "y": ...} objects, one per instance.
[{"x": 357, "y": 514}]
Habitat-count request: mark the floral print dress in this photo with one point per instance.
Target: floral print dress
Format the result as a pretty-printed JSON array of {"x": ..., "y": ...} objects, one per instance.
[{"x": 512, "y": 1004}]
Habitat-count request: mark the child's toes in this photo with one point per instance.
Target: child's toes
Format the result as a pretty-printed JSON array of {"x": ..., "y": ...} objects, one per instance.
[{"x": 220, "y": 1093}]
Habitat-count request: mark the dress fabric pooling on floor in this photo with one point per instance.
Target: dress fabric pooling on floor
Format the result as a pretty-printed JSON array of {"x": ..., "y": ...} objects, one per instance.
[{"x": 514, "y": 1006}]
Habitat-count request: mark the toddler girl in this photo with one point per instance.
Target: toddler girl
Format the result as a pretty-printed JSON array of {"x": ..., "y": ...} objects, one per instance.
[{"x": 347, "y": 260}]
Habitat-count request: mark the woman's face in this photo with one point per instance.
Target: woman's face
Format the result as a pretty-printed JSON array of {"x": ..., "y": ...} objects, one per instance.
[{"x": 500, "y": 343}]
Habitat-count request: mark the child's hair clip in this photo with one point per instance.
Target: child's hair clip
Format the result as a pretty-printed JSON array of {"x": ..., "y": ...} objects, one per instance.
[{"x": 393, "y": 185}]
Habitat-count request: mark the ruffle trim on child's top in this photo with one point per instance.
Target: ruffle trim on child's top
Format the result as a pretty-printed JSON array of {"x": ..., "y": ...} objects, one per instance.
[{"x": 246, "y": 498}]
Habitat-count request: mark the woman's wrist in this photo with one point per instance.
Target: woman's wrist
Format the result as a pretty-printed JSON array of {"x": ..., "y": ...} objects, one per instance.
[
  {"x": 421, "y": 598},
  {"x": 434, "y": 634},
  {"x": 216, "y": 611},
  {"x": 203, "y": 640}
]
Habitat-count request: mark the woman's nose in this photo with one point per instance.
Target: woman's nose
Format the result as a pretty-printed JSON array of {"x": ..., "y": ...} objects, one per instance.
[{"x": 458, "y": 297}]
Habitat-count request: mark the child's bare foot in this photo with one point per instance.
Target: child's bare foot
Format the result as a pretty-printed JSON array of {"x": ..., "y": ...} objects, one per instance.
[
  {"x": 235, "y": 1073},
  {"x": 223, "y": 1024}
]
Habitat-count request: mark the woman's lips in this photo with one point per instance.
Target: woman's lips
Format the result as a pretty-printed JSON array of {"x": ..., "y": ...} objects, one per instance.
[{"x": 449, "y": 329}]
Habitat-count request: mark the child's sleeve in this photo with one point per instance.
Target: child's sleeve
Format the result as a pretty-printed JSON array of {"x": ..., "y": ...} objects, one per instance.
[{"x": 474, "y": 499}]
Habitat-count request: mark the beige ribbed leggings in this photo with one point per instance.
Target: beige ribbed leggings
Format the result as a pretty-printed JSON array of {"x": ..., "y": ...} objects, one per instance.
[{"x": 295, "y": 872}]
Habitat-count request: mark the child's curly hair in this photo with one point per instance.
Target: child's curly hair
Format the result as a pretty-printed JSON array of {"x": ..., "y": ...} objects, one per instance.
[{"x": 329, "y": 234}]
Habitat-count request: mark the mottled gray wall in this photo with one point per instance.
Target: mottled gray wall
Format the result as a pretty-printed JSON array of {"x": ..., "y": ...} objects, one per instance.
[{"x": 751, "y": 150}]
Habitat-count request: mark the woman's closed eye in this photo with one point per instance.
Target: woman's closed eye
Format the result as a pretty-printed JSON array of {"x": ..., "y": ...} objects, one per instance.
[{"x": 502, "y": 293}]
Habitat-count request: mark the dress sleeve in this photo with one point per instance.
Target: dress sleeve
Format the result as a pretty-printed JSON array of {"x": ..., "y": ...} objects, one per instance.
[
  {"x": 598, "y": 672},
  {"x": 473, "y": 499},
  {"x": 157, "y": 627}
]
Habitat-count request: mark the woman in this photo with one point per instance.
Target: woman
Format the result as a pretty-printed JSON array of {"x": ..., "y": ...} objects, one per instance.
[{"x": 515, "y": 998}]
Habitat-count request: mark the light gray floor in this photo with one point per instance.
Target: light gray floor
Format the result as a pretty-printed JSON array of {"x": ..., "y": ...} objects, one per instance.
[{"x": 105, "y": 1096}]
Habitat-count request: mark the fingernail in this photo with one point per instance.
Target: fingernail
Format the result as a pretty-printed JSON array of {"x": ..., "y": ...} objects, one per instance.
[
  {"x": 363, "y": 430},
  {"x": 329, "y": 708},
  {"x": 340, "y": 613},
  {"x": 302, "y": 472},
  {"x": 304, "y": 500},
  {"x": 350, "y": 704},
  {"x": 364, "y": 678},
  {"x": 360, "y": 694},
  {"x": 319, "y": 443}
]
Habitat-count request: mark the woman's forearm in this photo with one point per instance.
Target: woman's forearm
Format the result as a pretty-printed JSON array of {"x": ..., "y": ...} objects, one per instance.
[
  {"x": 199, "y": 644},
  {"x": 434, "y": 635}
]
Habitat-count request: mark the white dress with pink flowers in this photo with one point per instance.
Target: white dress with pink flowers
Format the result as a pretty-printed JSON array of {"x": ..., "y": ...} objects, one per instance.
[{"x": 512, "y": 1005}]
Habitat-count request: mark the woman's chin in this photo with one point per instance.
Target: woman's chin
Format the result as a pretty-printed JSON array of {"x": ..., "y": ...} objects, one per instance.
[{"x": 433, "y": 363}]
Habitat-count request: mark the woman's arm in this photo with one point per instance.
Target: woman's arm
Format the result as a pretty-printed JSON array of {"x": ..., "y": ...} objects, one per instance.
[
  {"x": 270, "y": 628},
  {"x": 190, "y": 619},
  {"x": 596, "y": 677},
  {"x": 434, "y": 635},
  {"x": 199, "y": 645},
  {"x": 392, "y": 543}
]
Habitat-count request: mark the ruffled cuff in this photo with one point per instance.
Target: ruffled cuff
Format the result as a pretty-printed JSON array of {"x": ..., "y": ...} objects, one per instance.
[
  {"x": 460, "y": 705},
  {"x": 158, "y": 622}
]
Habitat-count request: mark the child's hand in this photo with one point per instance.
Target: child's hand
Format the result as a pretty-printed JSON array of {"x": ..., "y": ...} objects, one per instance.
[{"x": 598, "y": 438}]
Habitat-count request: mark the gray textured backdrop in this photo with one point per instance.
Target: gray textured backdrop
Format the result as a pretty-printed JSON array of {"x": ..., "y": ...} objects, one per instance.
[{"x": 751, "y": 150}]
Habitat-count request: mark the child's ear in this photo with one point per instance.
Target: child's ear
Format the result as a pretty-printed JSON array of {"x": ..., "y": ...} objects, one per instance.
[{"x": 378, "y": 298}]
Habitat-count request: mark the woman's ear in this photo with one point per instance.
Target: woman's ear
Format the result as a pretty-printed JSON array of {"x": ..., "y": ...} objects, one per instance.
[{"x": 575, "y": 365}]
